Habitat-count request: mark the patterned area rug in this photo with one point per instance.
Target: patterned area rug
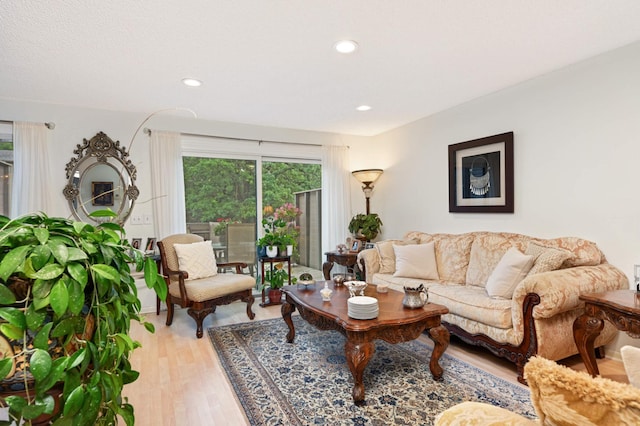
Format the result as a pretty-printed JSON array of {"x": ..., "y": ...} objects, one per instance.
[{"x": 309, "y": 383}]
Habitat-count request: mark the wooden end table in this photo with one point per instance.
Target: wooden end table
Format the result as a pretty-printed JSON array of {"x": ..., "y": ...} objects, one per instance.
[
  {"x": 394, "y": 324},
  {"x": 620, "y": 307},
  {"x": 348, "y": 259},
  {"x": 271, "y": 261}
]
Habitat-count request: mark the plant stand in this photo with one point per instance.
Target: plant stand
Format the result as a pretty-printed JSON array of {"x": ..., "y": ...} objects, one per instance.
[{"x": 271, "y": 261}]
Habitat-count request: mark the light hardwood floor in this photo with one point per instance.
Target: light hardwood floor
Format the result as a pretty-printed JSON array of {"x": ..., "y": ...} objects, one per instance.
[{"x": 182, "y": 383}]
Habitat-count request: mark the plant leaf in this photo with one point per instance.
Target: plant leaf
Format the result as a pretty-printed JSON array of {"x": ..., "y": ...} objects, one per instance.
[
  {"x": 59, "y": 297},
  {"x": 79, "y": 273},
  {"x": 103, "y": 213},
  {"x": 12, "y": 260},
  {"x": 11, "y": 331},
  {"x": 74, "y": 402},
  {"x": 60, "y": 251},
  {"x": 76, "y": 254},
  {"x": 6, "y": 296},
  {"x": 76, "y": 297},
  {"x": 34, "y": 317},
  {"x": 40, "y": 256},
  {"x": 14, "y": 316},
  {"x": 32, "y": 411},
  {"x": 107, "y": 272},
  {"x": 49, "y": 272},
  {"x": 6, "y": 365},
  {"x": 40, "y": 364},
  {"x": 41, "y": 340},
  {"x": 42, "y": 234}
]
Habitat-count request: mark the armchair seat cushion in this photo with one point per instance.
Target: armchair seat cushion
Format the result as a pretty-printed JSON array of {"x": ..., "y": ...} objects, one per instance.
[
  {"x": 209, "y": 288},
  {"x": 472, "y": 302}
]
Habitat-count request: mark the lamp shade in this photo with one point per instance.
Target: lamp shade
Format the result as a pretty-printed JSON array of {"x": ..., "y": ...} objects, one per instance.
[{"x": 367, "y": 176}]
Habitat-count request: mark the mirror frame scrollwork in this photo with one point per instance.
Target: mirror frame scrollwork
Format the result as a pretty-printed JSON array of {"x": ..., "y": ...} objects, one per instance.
[{"x": 98, "y": 152}]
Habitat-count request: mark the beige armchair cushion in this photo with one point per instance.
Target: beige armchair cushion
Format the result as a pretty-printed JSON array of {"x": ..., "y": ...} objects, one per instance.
[
  {"x": 196, "y": 259},
  {"x": 209, "y": 288}
]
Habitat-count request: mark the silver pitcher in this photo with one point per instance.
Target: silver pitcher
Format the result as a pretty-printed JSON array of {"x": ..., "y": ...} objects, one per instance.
[{"x": 415, "y": 297}]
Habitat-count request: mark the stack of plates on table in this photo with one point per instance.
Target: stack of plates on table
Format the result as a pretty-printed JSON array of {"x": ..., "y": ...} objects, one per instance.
[{"x": 362, "y": 307}]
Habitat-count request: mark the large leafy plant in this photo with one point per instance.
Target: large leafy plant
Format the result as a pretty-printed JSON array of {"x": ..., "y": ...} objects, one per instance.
[
  {"x": 367, "y": 225},
  {"x": 67, "y": 298}
]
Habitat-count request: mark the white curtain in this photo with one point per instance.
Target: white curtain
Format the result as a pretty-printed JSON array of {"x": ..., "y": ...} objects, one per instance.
[
  {"x": 336, "y": 196},
  {"x": 167, "y": 183},
  {"x": 31, "y": 188}
]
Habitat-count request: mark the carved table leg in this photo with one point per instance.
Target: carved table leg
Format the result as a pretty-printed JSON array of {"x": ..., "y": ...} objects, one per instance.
[
  {"x": 440, "y": 337},
  {"x": 358, "y": 356},
  {"x": 287, "y": 309},
  {"x": 585, "y": 330}
]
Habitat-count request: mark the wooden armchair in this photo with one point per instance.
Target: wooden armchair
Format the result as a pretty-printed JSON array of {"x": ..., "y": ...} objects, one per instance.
[{"x": 193, "y": 281}]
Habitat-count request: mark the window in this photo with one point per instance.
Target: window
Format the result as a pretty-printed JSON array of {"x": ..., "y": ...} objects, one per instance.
[{"x": 6, "y": 167}]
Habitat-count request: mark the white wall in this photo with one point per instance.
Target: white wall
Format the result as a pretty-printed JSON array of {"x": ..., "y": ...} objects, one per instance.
[{"x": 576, "y": 157}]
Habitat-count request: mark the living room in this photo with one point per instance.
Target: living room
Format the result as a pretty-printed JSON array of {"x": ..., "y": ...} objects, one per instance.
[{"x": 575, "y": 143}]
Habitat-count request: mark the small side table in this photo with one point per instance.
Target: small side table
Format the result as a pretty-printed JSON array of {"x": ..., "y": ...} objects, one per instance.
[
  {"x": 348, "y": 259},
  {"x": 271, "y": 261},
  {"x": 620, "y": 307}
]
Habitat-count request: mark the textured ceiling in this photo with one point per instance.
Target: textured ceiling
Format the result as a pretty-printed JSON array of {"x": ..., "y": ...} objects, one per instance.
[{"x": 271, "y": 62}]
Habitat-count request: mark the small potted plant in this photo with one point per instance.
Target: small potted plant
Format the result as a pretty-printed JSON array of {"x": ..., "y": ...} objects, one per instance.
[
  {"x": 365, "y": 225},
  {"x": 274, "y": 279},
  {"x": 273, "y": 233}
]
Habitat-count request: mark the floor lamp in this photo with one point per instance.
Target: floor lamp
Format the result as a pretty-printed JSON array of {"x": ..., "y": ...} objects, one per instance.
[{"x": 367, "y": 177}]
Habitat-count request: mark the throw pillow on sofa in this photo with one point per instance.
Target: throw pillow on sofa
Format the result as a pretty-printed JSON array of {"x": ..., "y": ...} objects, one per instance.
[
  {"x": 416, "y": 261},
  {"x": 511, "y": 269},
  {"x": 546, "y": 258},
  {"x": 387, "y": 255}
]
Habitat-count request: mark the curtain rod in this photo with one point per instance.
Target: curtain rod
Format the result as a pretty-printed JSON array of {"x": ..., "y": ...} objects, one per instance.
[
  {"x": 148, "y": 132},
  {"x": 50, "y": 125}
]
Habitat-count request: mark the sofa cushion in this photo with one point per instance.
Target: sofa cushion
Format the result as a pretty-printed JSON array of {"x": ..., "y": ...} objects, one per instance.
[
  {"x": 472, "y": 302},
  {"x": 452, "y": 254},
  {"x": 196, "y": 259},
  {"x": 398, "y": 283},
  {"x": 387, "y": 255},
  {"x": 511, "y": 269},
  {"x": 416, "y": 261},
  {"x": 546, "y": 258},
  {"x": 486, "y": 251}
]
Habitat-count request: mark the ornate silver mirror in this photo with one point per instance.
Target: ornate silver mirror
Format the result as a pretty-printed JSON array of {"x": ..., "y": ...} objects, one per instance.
[{"x": 100, "y": 177}]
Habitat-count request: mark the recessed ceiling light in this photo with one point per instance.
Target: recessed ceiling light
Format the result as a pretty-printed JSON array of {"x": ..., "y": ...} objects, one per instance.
[
  {"x": 346, "y": 46},
  {"x": 192, "y": 82},
  {"x": 363, "y": 108}
]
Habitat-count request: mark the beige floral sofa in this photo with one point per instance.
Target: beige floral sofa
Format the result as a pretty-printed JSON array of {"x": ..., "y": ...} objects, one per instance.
[{"x": 516, "y": 309}]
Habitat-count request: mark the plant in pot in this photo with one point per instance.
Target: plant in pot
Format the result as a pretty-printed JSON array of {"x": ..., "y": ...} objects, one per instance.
[
  {"x": 274, "y": 279},
  {"x": 365, "y": 225},
  {"x": 273, "y": 232},
  {"x": 67, "y": 298}
]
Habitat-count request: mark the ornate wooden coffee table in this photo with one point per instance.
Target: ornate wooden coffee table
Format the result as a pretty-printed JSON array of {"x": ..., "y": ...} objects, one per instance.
[{"x": 394, "y": 324}]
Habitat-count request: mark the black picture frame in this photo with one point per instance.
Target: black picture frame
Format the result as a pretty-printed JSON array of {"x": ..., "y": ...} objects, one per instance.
[
  {"x": 136, "y": 243},
  {"x": 481, "y": 175},
  {"x": 102, "y": 193}
]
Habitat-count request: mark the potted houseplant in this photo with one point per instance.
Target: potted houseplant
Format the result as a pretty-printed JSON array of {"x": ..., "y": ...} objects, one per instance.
[
  {"x": 273, "y": 232},
  {"x": 274, "y": 278},
  {"x": 67, "y": 298},
  {"x": 365, "y": 225}
]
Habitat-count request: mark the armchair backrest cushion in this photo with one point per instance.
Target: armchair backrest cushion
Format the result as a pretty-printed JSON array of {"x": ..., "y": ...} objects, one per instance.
[
  {"x": 169, "y": 257},
  {"x": 196, "y": 259}
]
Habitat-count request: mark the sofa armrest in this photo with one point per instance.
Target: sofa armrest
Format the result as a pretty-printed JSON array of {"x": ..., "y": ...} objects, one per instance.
[
  {"x": 560, "y": 290},
  {"x": 370, "y": 258}
]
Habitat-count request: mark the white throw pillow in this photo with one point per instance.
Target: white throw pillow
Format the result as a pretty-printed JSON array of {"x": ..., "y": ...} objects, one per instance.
[
  {"x": 512, "y": 268},
  {"x": 197, "y": 259},
  {"x": 416, "y": 261},
  {"x": 631, "y": 360}
]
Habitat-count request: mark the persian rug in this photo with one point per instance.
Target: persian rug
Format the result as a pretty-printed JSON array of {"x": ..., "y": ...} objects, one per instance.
[{"x": 308, "y": 382}]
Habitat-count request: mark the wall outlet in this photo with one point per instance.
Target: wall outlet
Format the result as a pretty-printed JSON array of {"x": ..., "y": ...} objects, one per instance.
[
  {"x": 146, "y": 219},
  {"x": 136, "y": 220}
]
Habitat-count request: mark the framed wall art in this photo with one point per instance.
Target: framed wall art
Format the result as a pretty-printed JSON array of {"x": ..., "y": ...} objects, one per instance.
[
  {"x": 102, "y": 193},
  {"x": 481, "y": 175}
]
